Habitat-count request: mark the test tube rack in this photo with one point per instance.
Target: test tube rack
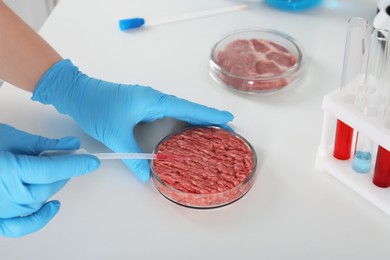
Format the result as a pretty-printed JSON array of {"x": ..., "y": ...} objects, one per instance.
[{"x": 373, "y": 128}]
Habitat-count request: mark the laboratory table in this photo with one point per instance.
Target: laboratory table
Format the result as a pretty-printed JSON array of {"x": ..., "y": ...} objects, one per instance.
[{"x": 293, "y": 211}]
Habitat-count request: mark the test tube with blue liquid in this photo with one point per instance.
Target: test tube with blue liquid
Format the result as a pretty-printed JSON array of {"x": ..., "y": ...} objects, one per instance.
[
  {"x": 363, "y": 155},
  {"x": 373, "y": 102},
  {"x": 355, "y": 59}
]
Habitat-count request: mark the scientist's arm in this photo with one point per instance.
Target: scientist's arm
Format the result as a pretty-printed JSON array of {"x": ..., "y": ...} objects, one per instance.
[
  {"x": 27, "y": 181},
  {"x": 106, "y": 111},
  {"x": 24, "y": 55}
]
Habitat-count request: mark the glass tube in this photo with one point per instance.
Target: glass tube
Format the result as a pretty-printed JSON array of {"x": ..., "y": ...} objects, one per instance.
[
  {"x": 382, "y": 165},
  {"x": 372, "y": 103},
  {"x": 355, "y": 56},
  {"x": 382, "y": 168}
]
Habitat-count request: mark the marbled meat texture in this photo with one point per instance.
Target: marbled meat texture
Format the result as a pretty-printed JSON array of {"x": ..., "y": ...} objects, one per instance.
[
  {"x": 255, "y": 58},
  {"x": 218, "y": 161}
]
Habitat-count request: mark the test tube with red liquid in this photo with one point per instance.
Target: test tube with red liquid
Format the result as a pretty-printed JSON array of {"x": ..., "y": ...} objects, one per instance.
[
  {"x": 382, "y": 165},
  {"x": 355, "y": 56},
  {"x": 382, "y": 168},
  {"x": 343, "y": 141}
]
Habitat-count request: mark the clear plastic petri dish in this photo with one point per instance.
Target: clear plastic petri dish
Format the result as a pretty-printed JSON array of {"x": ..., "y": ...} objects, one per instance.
[
  {"x": 257, "y": 61},
  {"x": 217, "y": 169}
]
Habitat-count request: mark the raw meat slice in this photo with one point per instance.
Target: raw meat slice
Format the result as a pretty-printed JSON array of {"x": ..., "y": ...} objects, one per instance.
[
  {"x": 281, "y": 58},
  {"x": 267, "y": 68},
  {"x": 279, "y": 47},
  {"x": 237, "y": 49},
  {"x": 260, "y": 45},
  {"x": 250, "y": 62}
]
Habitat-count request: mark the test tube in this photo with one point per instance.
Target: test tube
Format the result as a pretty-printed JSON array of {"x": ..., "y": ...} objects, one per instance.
[
  {"x": 363, "y": 154},
  {"x": 382, "y": 165},
  {"x": 372, "y": 103},
  {"x": 355, "y": 55},
  {"x": 382, "y": 168}
]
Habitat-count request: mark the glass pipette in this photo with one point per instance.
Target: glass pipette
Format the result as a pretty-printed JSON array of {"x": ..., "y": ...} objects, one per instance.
[
  {"x": 355, "y": 57},
  {"x": 115, "y": 156},
  {"x": 372, "y": 104}
]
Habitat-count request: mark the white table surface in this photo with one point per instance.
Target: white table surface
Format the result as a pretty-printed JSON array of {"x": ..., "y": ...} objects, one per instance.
[{"x": 293, "y": 211}]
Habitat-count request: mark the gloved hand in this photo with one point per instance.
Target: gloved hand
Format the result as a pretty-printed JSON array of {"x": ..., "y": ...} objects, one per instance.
[
  {"x": 28, "y": 181},
  {"x": 109, "y": 112}
]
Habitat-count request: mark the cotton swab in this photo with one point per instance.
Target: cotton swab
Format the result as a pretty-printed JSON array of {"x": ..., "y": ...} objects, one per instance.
[{"x": 131, "y": 23}]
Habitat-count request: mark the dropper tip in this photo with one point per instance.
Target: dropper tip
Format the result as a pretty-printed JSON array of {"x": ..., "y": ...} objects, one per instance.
[{"x": 131, "y": 23}]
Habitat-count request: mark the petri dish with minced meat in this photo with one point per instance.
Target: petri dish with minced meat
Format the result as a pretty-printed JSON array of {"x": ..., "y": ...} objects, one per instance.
[
  {"x": 216, "y": 169},
  {"x": 257, "y": 61}
]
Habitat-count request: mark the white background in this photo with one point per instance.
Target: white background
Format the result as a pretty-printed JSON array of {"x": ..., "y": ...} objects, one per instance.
[
  {"x": 293, "y": 211},
  {"x": 33, "y": 12}
]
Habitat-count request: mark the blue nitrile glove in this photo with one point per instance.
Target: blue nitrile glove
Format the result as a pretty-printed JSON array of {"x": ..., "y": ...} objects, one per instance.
[
  {"x": 28, "y": 181},
  {"x": 109, "y": 112}
]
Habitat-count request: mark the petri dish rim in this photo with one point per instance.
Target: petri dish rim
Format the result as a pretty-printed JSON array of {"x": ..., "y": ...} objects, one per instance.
[
  {"x": 293, "y": 74},
  {"x": 248, "y": 179}
]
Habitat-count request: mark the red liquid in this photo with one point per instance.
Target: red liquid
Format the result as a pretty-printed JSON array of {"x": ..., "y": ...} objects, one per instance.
[
  {"x": 343, "y": 141},
  {"x": 382, "y": 168}
]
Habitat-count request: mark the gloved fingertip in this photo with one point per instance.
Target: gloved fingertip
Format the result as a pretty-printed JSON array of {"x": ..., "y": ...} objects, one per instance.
[
  {"x": 227, "y": 128},
  {"x": 21, "y": 226},
  {"x": 69, "y": 142},
  {"x": 144, "y": 177},
  {"x": 50, "y": 209},
  {"x": 55, "y": 204},
  {"x": 140, "y": 168},
  {"x": 229, "y": 116},
  {"x": 94, "y": 163},
  {"x": 220, "y": 117}
]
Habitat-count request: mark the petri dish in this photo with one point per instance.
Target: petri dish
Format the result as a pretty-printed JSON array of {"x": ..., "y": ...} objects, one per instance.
[
  {"x": 218, "y": 169},
  {"x": 257, "y": 61}
]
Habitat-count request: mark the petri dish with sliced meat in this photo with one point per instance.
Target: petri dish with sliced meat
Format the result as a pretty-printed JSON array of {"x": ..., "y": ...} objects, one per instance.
[
  {"x": 257, "y": 61},
  {"x": 216, "y": 168}
]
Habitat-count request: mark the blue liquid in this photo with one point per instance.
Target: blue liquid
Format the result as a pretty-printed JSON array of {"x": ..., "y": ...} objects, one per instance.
[
  {"x": 362, "y": 162},
  {"x": 293, "y": 5}
]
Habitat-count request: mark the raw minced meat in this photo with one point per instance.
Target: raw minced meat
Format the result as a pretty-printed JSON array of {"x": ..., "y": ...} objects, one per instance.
[{"x": 218, "y": 162}]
